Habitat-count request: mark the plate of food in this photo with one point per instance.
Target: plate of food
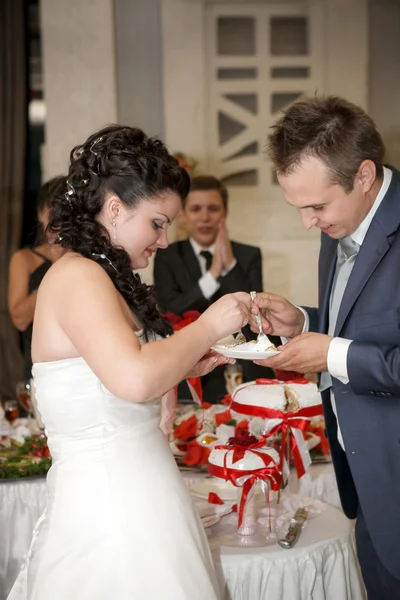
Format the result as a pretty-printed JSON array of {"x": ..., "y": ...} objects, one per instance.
[{"x": 239, "y": 347}]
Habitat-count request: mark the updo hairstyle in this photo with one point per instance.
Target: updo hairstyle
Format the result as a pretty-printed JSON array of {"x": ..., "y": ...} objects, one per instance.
[{"x": 125, "y": 162}]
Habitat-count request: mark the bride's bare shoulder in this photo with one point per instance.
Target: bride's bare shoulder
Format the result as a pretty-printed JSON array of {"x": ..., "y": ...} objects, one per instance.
[{"x": 73, "y": 269}]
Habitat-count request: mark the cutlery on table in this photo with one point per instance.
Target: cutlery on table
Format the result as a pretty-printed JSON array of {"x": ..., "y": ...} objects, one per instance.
[{"x": 294, "y": 530}]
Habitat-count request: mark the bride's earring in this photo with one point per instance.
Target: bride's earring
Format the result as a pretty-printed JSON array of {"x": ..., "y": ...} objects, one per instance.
[{"x": 115, "y": 229}]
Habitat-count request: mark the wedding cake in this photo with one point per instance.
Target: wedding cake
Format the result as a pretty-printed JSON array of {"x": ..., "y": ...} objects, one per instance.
[
  {"x": 250, "y": 461},
  {"x": 258, "y": 394},
  {"x": 276, "y": 395}
]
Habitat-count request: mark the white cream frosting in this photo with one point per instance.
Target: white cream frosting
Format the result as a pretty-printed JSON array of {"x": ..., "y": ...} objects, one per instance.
[
  {"x": 249, "y": 462},
  {"x": 255, "y": 346},
  {"x": 306, "y": 394},
  {"x": 266, "y": 396}
]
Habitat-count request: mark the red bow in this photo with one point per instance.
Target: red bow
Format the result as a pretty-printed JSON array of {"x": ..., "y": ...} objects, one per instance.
[
  {"x": 238, "y": 451},
  {"x": 289, "y": 421},
  {"x": 270, "y": 474},
  {"x": 177, "y": 322}
]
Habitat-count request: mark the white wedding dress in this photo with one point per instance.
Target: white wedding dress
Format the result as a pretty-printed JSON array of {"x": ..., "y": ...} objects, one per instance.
[{"x": 119, "y": 522}]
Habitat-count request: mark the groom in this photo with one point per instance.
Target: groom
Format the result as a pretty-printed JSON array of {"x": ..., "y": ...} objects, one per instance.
[{"x": 328, "y": 158}]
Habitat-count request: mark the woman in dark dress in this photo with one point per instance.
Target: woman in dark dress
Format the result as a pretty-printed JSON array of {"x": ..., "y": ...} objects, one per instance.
[{"x": 28, "y": 266}]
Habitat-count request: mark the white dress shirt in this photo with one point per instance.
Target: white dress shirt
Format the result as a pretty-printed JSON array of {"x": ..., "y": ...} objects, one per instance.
[{"x": 207, "y": 283}]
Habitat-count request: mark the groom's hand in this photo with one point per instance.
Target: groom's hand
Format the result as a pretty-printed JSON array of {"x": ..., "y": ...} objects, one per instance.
[
  {"x": 279, "y": 316},
  {"x": 306, "y": 353}
]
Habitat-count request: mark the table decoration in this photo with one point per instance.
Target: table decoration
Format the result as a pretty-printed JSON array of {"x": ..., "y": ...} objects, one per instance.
[
  {"x": 245, "y": 461},
  {"x": 23, "y": 449}
]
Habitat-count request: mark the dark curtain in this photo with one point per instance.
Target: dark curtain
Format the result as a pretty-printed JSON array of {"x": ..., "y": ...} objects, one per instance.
[{"x": 13, "y": 126}]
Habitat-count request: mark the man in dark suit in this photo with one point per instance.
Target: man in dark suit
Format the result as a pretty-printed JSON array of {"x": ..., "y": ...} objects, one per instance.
[
  {"x": 328, "y": 158},
  {"x": 191, "y": 274}
]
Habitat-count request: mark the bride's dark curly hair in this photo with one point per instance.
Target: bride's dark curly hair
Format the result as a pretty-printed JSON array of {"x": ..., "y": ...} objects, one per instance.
[{"x": 125, "y": 162}]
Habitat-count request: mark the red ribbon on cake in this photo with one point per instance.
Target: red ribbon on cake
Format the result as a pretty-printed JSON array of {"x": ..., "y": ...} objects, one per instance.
[
  {"x": 289, "y": 422},
  {"x": 244, "y": 478}
]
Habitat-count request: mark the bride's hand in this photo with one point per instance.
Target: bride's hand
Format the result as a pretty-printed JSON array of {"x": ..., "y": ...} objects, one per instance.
[
  {"x": 208, "y": 363},
  {"x": 227, "y": 315}
]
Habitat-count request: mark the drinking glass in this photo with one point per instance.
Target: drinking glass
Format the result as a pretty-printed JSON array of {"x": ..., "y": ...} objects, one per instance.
[
  {"x": 11, "y": 410},
  {"x": 23, "y": 390}
]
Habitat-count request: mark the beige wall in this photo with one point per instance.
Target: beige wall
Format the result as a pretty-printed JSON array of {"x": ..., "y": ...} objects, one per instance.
[
  {"x": 384, "y": 73},
  {"x": 79, "y": 75}
]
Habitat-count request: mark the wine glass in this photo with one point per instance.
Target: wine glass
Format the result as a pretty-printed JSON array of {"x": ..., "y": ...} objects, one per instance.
[
  {"x": 11, "y": 410},
  {"x": 23, "y": 390}
]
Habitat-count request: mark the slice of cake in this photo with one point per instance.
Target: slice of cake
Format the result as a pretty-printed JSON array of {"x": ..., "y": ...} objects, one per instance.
[
  {"x": 301, "y": 395},
  {"x": 255, "y": 346}
]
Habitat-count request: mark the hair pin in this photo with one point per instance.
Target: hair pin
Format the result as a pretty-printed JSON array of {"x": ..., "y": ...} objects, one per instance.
[
  {"x": 105, "y": 257},
  {"x": 93, "y": 145},
  {"x": 69, "y": 192},
  {"x": 96, "y": 141}
]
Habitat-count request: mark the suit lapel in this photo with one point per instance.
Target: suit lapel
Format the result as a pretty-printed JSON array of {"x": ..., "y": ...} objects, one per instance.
[
  {"x": 327, "y": 270},
  {"x": 374, "y": 247},
  {"x": 190, "y": 261}
]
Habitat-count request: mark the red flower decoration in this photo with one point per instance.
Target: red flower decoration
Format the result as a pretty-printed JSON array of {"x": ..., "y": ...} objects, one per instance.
[
  {"x": 227, "y": 399},
  {"x": 287, "y": 375},
  {"x": 242, "y": 438},
  {"x": 187, "y": 429},
  {"x": 178, "y": 322},
  {"x": 244, "y": 425},
  {"x": 221, "y": 418},
  {"x": 197, "y": 454}
]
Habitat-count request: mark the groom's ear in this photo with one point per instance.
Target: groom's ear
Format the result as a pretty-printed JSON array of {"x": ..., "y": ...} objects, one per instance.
[{"x": 366, "y": 175}]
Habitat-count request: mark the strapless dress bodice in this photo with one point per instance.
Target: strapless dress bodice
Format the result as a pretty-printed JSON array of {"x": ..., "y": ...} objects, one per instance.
[{"x": 79, "y": 413}]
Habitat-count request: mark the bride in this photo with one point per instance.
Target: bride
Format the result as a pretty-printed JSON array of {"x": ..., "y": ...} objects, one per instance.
[{"x": 119, "y": 521}]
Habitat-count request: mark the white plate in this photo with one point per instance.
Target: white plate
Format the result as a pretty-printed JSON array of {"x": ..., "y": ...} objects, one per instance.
[
  {"x": 244, "y": 354},
  {"x": 224, "y": 489},
  {"x": 210, "y": 521}
]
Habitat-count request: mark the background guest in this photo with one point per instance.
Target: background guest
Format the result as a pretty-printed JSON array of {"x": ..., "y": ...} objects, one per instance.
[
  {"x": 191, "y": 274},
  {"x": 28, "y": 266}
]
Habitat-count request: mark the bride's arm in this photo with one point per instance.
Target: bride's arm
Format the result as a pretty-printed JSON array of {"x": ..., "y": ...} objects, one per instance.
[{"x": 89, "y": 311}]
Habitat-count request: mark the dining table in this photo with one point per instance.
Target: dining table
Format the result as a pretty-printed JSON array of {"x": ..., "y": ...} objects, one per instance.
[{"x": 325, "y": 552}]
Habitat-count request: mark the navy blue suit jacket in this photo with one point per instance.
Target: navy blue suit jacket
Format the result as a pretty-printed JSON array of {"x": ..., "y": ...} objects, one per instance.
[{"x": 369, "y": 405}]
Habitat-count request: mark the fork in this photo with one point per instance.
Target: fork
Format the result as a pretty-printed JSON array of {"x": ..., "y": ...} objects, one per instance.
[{"x": 262, "y": 337}]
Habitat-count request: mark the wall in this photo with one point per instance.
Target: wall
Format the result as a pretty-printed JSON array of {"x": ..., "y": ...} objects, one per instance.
[
  {"x": 79, "y": 75},
  {"x": 384, "y": 73},
  {"x": 138, "y": 59}
]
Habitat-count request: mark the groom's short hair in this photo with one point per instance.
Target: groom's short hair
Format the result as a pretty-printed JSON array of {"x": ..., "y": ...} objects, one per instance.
[{"x": 337, "y": 132}]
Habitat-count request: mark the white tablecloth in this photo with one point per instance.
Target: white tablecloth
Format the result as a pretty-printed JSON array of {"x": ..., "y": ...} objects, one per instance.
[
  {"x": 319, "y": 482},
  {"x": 321, "y": 566},
  {"x": 22, "y": 502}
]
